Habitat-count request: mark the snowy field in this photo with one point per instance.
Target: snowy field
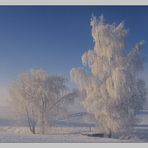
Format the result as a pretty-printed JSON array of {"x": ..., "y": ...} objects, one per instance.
[
  {"x": 54, "y": 138},
  {"x": 56, "y": 135},
  {"x": 65, "y": 131}
]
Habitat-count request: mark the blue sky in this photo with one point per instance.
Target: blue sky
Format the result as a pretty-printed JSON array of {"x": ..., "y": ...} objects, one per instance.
[{"x": 54, "y": 37}]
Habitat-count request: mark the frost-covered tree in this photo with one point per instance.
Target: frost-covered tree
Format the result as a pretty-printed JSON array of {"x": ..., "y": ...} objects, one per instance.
[
  {"x": 39, "y": 96},
  {"x": 109, "y": 82}
]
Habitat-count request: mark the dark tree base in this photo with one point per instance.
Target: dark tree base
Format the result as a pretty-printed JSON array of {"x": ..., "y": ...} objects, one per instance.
[{"x": 94, "y": 135}]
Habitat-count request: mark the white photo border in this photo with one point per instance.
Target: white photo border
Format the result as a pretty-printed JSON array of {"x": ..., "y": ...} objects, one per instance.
[{"x": 75, "y": 2}]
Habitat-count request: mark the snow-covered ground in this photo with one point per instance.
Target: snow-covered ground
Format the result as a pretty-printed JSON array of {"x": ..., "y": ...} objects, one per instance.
[
  {"x": 64, "y": 131},
  {"x": 55, "y": 138},
  {"x": 56, "y": 135}
]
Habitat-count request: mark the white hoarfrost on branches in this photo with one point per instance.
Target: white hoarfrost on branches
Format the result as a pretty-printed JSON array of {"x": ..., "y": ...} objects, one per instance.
[
  {"x": 39, "y": 96},
  {"x": 111, "y": 88}
]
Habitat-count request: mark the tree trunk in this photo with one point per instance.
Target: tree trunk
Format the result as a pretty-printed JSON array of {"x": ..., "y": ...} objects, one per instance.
[
  {"x": 90, "y": 128},
  {"x": 31, "y": 126},
  {"x": 43, "y": 116},
  {"x": 33, "y": 130},
  {"x": 110, "y": 133},
  {"x": 43, "y": 123}
]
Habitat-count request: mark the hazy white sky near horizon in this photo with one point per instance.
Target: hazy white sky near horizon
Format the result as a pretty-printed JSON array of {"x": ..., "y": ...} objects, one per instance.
[{"x": 5, "y": 98}]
